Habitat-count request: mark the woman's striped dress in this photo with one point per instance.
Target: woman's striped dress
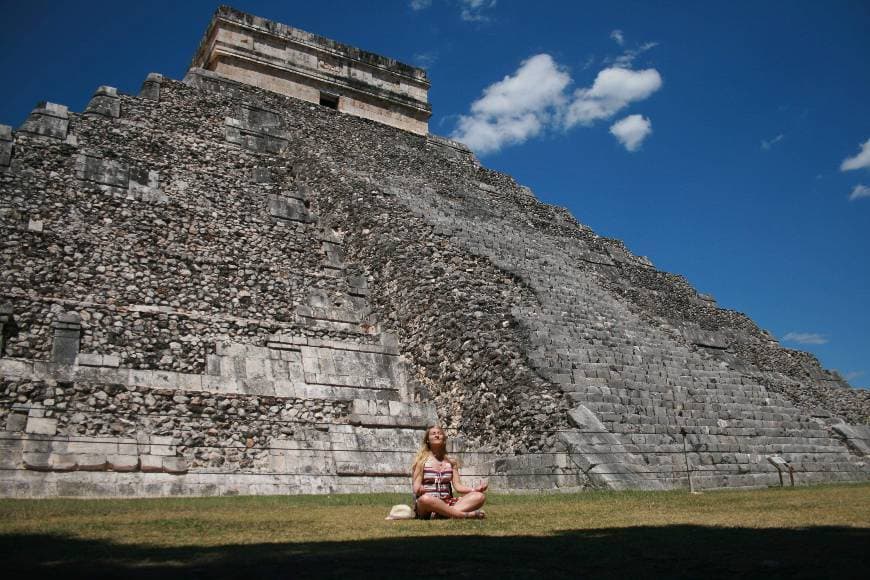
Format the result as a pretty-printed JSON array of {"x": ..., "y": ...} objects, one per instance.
[{"x": 438, "y": 480}]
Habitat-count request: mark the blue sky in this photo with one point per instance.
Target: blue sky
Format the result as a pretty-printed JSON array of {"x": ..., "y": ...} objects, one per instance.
[{"x": 728, "y": 142}]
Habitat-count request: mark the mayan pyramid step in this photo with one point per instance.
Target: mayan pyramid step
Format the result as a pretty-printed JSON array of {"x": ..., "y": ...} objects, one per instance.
[{"x": 725, "y": 402}]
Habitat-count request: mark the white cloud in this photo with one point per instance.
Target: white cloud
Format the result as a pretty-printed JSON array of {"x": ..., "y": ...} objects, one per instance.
[
  {"x": 631, "y": 131},
  {"x": 539, "y": 82},
  {"x": 516, "y": 108},
  {"x": 613, "y": 90},
  {"x": 473, "y": 10},
  {"x": 860, "y": 192},
  {"x": 535, "y": 98},
  {"x": 854, "y": 375},
  {"x": 420, "y": 4},
  {"x": 617, "y": 36},
  {"x": 859, "y": 161},
  {"x": 766, "y": 144},
  {"x": 805, "y": 338}
]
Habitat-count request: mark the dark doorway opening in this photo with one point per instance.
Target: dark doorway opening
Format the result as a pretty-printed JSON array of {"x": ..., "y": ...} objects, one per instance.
[{"x": 328, "y": 100}]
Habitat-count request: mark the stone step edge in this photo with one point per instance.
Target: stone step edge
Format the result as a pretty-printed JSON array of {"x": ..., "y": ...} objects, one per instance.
[
  {"x": 64, "y": 462},
  {"x": 351, "y": 473},
  {"x": 157, "y": 379},
  {"x": 391, "y": 422}
]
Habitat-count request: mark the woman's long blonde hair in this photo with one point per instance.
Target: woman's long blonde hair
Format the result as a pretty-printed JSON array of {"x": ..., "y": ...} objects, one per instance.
[{"x": 425, "y": 452}]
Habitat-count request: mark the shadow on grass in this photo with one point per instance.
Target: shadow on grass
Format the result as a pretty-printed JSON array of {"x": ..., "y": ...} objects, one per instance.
[{"x": 669, "y": 552}]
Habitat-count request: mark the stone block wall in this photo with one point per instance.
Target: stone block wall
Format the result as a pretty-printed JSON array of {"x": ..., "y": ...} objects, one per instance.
[
  {"x": 93, "y": 428},
  {"x": 168, "y": 314}
]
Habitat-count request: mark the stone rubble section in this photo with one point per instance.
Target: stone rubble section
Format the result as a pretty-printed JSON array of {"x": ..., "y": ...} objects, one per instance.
[
  {"x": 335, "y": 283},
  {"x": 173, "y": 325},
  {"x": 102, "y": 418},
  {"x": 201, "y": 429},
  {"x": 154, "y": 295}
]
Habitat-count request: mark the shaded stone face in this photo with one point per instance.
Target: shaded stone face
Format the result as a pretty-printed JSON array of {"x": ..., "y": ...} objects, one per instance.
[{"x": 299, "y": 64}]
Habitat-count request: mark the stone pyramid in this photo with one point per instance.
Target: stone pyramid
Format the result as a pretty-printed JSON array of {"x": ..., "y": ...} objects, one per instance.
[{"x": 216, "y": 288}]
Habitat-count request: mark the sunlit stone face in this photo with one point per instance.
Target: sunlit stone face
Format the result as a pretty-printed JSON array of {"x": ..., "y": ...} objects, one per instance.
[{"x": 298, "y": 64}]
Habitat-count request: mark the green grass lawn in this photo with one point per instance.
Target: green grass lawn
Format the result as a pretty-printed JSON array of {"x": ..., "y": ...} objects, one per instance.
[{"x": 811, "y": 532}]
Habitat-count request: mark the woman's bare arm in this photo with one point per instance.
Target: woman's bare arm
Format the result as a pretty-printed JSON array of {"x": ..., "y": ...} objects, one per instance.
[
  {"x": 417, "y": 480},
  {"x": 457, "y": 482},
  {"x": 461, "y": 487}
]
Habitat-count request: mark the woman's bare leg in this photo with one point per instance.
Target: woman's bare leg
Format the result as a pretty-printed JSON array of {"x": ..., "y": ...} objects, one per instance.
[
  {"x": 427, "y": 504},
  {"x": 470, "y": 501}
]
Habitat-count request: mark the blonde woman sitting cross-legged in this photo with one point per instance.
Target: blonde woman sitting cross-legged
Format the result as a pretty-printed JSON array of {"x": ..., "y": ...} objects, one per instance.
[{"x": 435, "y": 478}]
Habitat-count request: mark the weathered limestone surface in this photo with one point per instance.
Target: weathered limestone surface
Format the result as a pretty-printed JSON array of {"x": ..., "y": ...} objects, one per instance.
[
  {"x": 292, "y": 62},
  {"x": 635, "y": 385},
  {"x": 48, "y": 120},
  {"x": 211, "y": 288},
  {"x": 5, "y": 147}
]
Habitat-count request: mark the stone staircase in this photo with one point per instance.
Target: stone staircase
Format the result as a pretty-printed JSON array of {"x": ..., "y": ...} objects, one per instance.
[{"x": 636, "y": 387}]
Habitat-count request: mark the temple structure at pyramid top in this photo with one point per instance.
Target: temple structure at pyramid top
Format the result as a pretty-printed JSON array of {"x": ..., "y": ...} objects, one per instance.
[{"x": 292, "y": 62}]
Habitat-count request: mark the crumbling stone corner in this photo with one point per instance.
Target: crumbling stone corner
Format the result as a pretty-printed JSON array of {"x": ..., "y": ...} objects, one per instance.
[
  {"x": 47, "y": 120},
  {"x": 151, "y": 87},
  {"x": 105, "y": 103}
]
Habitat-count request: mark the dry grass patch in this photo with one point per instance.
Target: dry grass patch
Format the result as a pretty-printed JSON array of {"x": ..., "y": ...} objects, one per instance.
[{"x": 800, "y": 532}]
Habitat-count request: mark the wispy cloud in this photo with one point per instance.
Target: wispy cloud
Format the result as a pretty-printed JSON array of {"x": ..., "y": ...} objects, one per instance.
[
  {"x": 618, "y": 37},
  {"x": 853, "y": 375},
  {"x": 631, "y": 131},
  {"x": 469, "y": 10},
  {"x": 859, "y": 192},
  {"x": 859, "y": 161},
  {"x": 766, "y": 144},
  {"x": 474, "y": 10},
  {"x": 426, "y": 59},
  {"x": 627, "y": 58},
  {"x": 805, "y": 338}
]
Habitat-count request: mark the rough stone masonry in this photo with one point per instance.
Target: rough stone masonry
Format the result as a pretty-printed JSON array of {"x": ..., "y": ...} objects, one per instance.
[{"x": 213, "y": 288}]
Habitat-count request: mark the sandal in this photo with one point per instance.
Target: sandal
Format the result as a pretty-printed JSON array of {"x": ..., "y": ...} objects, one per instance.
[{"x": 476, "y": 514}]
